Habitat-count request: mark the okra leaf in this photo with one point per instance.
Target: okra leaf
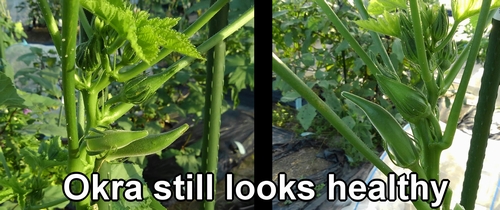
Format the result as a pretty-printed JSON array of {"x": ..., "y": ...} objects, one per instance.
[
  {"x": 145, "y": 35},
  {"x": 306, "y": 115},
  {"x": 9, "y": 96},
  {"x": 126, "y": 171},
  {"x": 387, "y": 24},
  {"x": 115, "y": 14}
]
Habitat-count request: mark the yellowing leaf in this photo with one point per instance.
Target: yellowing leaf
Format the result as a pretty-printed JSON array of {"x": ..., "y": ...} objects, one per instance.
[
  {"x": 387, "y": 24},
  {"x": 463, "y": 9}
]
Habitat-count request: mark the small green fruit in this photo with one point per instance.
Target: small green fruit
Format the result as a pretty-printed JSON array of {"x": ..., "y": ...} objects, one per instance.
[
  {"x": 411, "y": 103},
  {"x": 88, "y": 55}
]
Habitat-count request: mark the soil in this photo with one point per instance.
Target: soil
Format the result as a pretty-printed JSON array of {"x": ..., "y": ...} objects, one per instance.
[
  {"x": 308, "y": 158},
  {"x": 38, "y": 35}
]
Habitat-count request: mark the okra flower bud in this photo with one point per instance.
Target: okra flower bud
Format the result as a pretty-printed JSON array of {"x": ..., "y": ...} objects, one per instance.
[
  {"x": 408, "y": 39},
  {"x": 88, "y": 55},
  {"x": 141, "y": 88},
  {"x": 440, "y": 25},
  {"x": 411, "y": 103},
  {"x": 129, "y": 55},
  {"x": 427, "y": 16},
  {"x": 448, "y": 55}
]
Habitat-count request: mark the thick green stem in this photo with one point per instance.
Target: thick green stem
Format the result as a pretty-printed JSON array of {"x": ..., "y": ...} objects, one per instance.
[
  {"x": 81, "y": 114},
  {"x": 51, "y": 24},
  {"x": 104, "y": 174},
  {"x": 67, "y": 53},
  {"x": 297, "y": 84},
  {"x": 482, "y": 121},
  {"x": 114, "y": 113},
  {"x": 433, "y": 160},
  {"x": 427, "y": 77},
  {"x": 190, "y": 31},
  {"x": 216, "y": 59},
  {"x": 90, "y": 101}
]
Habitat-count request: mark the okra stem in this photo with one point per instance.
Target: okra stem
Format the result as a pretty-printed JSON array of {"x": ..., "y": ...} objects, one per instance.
[{"x": 430, "y": 84}]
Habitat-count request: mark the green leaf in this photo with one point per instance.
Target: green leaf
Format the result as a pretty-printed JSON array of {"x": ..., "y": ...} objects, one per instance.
[
  {"x": 279, "y": 13},
  {"x": 332, "y": 101},
  {"x": 6, "y": 194},
  {"x": 125, "y": 123},
  {"x": 308, "y": 59},
  {"x": 120, "y": 19},
  {"x": 344, "y": 45},
  {"x": 397, "y": 50},
  {"x": 358, "y": 63},
  {"x": 27, "y": 58},
  {"x": 153, "y": 127},
  {"x": 9, "y": 96},
  {"x": 37, "y": 51},
  {"x": 46, "y": 84},
  {"x": 306, "y": 115},
  {"x": 145, "y": 35},
  {"x": 377, "y": 7},
  {"x": 31, "y": 99},
  {"x": 178, "y": 42},
  {"x": 349, "y": 121},
  {"x": 289, "y": 96},
  {"x": 7, "y": 69},
  {"x": 241, "y": 77},
  {"x": 386, "y": 24},
  {"x": 127, "y": 171},
  {"x": 46, "y": 129},
  {"x": 188, "y": 160},
  {"x": 235, "y": 61},
  {"x": 53, "y": 193}
]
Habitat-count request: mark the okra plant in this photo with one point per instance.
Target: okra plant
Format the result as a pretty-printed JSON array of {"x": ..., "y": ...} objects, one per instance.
[
  {"x": 117, "y": 44},
  {"x": 432, "y": 56}
]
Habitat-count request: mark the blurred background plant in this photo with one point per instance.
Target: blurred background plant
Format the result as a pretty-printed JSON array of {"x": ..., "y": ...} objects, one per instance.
[
  {"x": 35, "y": 14},
  {"x": 13, "y": 32}
]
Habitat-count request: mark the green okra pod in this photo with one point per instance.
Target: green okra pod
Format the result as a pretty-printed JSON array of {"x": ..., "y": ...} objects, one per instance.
[
  {"x": 148, "y": 145},
  {"x": 400, "y": 148},
  {"x": 100, "y": 141}
]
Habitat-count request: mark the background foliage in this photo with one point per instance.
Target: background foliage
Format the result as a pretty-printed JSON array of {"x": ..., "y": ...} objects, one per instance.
[{"x": 310, "y": 45}]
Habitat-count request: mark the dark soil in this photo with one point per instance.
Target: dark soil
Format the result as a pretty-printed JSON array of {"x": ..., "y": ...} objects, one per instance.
[
  {"x": 309, "y": 158},
  {"x": 38, "y": 35}
]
